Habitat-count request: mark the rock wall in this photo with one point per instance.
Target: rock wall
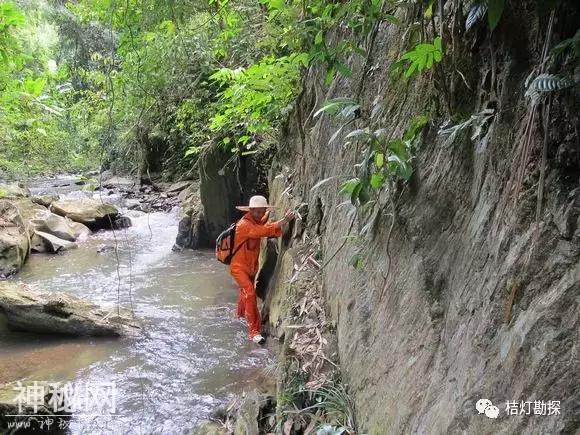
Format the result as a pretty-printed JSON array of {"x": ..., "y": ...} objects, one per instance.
[
  {"x": 459, "y": 293},
  {"x": 225, "y": 181}
]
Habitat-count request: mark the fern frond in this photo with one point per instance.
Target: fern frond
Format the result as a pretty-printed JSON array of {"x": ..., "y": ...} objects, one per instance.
[{"x": 547, "y": 83}]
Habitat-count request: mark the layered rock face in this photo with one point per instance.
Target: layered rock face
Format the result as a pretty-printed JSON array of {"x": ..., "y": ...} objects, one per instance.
[{"x": 458, "y": 293}]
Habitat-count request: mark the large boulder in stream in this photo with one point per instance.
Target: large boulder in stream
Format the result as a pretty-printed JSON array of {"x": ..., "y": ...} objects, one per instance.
[
  {"x": 14, "y": 238},
  {"x": 44, "y": 200},
  {"x": 90, "y": 212},
  {"x": 60, "y": 313},
  {"x": 13, "y": 191},
  {"x": 46, "y": 242},
  {"x": 60, "y": 227},
  {"x": 119, "y": 182}
]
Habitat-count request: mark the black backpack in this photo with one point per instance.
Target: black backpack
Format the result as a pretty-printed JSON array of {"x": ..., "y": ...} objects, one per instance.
[{"x": 224, "y": 245}]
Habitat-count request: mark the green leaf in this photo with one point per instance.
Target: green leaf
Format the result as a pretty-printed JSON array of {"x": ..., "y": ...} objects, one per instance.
[
  {"x": 437, "y": 44},
  {"x": 429, "y": 11},
  {"x": 397, "y": 146},
  {"x": 430, "y": 60},
  {"x": 244, "y": 139},
  {"x": 34, "y": 87},
  {"x": 392, "y": 19},
  {"x": 379, "y": 160},
  {"x": 350, "y": 185},
  {"x": 411, "y": 70},
  {"x": 377, "y": 180},
  {"x": 363, "y": 195},
  {"x": 417, "y": 124},
  {"x": 494, "y": 13},
  {"x": 318, "y": 38},
  {"x": 329, "y": 77},
  {"x": 192, "y": 151},
  {"x": 336, "y": 105},
  {"x": 357, "y": 263},
  {"x": 343, "y": 69}
]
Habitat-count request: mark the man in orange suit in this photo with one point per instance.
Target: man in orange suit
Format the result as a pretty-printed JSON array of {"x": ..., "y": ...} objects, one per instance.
[{"x": 244, "y": 265}]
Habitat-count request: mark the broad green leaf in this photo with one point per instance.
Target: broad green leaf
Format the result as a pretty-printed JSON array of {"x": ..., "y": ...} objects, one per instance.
[
  {"x": 437, "y": 44},
  {"x": 34, "y": 87},
  {"x": 377, "y": 180},
  {"x": 244, "y": 139},
  {"x": 429, "y": 60},
  {"x": 363, "y": 195},
  {"x": 355, "y": 193},
  {"x": 494, "y": 13},
  {"x": 417, "y": 124},
  {"x": 329, "y": 77},
  {"x": 379, "y": 160},
  {"x": 319, "y": 38},
  {"x": 397, "y": 146},
  {"x": 192, "y": 151},
  {"x": 334, "y": 106},
  {"x": 350, "y": 185},
  {"x": 429, "y": 11},
  {"x": 411, "y": 70}
]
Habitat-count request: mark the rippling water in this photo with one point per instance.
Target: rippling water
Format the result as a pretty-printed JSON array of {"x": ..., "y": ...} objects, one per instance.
[{"x": 193, "y": 352}]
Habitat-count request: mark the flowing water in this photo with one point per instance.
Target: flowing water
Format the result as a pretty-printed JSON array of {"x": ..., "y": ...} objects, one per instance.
[{"x": 193, "y": 352}]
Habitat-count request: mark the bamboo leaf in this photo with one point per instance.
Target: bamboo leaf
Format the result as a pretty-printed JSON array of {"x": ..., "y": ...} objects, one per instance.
[
  {"x": 322, "y": 182},
  {"x": 358, "y": 134}
]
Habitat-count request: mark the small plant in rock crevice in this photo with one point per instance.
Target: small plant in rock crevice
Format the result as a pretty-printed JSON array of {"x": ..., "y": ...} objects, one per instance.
[{"x": 383, "y": 159}]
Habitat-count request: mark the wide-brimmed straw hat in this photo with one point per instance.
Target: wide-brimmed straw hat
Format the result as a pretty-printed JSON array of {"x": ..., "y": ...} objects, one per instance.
[{"x": 257, "y": 201}]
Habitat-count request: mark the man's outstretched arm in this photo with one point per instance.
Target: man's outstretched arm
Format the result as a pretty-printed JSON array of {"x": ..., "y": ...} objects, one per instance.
[{"x": 251, "y": 230}]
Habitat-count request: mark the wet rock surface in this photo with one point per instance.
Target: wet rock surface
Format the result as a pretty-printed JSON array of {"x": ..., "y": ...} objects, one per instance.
[
  {"x": 58, "y": 313},
  {"x": 14, "y": 239},
  {"x": 46, "y": 242},
  {"x": 90, "y": 212}
]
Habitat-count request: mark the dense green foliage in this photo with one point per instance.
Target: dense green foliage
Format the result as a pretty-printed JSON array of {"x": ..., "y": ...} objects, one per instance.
[
  {"x": 132, "y": 84},
  {"x": 145, "y": 86}
]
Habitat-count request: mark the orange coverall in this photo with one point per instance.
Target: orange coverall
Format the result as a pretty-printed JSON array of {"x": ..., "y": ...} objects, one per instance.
[{"x": 244, "y": 265}]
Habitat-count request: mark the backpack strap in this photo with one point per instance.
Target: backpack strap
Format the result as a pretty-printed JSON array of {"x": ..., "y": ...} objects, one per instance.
[
  {"x": 235, "y": 251},
  {"x": 238, "y": 248}
]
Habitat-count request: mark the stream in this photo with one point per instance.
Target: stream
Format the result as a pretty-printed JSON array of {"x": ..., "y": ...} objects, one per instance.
[{"x": 193, "y": 353}]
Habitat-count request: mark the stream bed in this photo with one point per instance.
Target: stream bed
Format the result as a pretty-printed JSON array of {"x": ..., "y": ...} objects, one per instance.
[{"x": 192, "y": 355}]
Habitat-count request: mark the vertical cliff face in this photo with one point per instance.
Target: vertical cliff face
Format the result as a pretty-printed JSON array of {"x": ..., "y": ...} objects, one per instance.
[
  {"x": 459, "y": 292},
  {"x": 224, "y": 183}
]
